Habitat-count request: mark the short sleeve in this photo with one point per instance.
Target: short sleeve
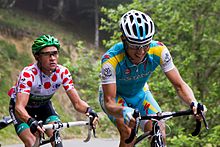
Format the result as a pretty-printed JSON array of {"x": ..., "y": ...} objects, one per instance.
[
  {"x": 67, "y": 81},
  {"x": 167, "y": 61},
  {"x": 108, "y": 74},
  {"x": 25, "y": 82}
]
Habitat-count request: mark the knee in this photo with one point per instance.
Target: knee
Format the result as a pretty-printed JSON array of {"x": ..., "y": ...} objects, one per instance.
[
  {"x": 147, "y": 126},
  {"x": 29, "y": 141},
  {"x": 124, "y": 130}
]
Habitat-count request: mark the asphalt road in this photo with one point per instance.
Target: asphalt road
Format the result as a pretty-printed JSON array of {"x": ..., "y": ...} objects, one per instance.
[{"x": 79, "y": 143}]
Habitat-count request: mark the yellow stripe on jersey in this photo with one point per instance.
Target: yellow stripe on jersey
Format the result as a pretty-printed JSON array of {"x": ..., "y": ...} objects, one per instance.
[
  {"x": 148, "y": 104},
  {"x": 157, "y": 50},
  {"x": 115, "y": 60}
]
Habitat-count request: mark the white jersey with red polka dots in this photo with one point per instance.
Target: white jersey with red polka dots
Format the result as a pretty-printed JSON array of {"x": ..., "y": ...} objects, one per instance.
[{"x": 40, "y": 86}]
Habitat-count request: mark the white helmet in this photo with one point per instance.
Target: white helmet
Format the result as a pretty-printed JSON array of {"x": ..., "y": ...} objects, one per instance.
[{"x": 137, "y": 27}]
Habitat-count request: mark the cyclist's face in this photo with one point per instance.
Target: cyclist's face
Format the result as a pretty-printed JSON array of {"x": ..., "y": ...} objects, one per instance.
[
  {"x": 48, "y": 58},
  {"x": 137, "y": 53}
]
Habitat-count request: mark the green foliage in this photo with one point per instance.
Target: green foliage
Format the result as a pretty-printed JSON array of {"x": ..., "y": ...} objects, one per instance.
[
  {"x": 85, "y": 74},
  {"x": 8, "y": 53},
  {"x": 8, "y": 50}
]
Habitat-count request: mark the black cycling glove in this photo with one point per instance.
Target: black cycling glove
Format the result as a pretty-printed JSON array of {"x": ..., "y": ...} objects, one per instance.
[
  {"x": 32, "y": 123},
  {"x": 91, "y": 112}
]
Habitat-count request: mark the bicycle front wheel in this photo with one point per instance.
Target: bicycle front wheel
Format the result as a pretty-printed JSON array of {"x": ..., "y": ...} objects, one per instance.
[{"x": 157, "y": 139}]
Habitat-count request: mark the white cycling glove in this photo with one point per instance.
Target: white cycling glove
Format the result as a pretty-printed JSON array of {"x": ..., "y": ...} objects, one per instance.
[
  {"x": 127, "y": 114},
  {"x": 194, "y": 105}
]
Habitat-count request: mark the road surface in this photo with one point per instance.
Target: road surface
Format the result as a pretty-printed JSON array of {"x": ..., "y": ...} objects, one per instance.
[{"x": 79, "y": 143}]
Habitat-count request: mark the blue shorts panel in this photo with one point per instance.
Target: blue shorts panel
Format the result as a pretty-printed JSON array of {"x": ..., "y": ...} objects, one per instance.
[{"x": 143, "y": 101}]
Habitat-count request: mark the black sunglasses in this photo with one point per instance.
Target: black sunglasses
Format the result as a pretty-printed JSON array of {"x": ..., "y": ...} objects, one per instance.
[
  {"x": 137, "y": 47},
  {"x": 49, "y": 54}
]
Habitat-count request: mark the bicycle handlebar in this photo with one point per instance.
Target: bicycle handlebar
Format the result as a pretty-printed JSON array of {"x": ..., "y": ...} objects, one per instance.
[
  {"x": 59, "y": 125},
  {"x": 165, "y": 115},
  {"x": 5, "y": 122}
]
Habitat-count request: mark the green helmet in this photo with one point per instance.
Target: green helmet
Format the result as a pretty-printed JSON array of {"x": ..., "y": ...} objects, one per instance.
[{"x": 44, "y": 41}]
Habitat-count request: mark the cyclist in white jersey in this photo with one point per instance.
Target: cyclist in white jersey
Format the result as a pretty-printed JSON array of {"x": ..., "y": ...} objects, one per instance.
[
  {"x": 36, "y": 84},
  {"x": 125, "y": 70}
]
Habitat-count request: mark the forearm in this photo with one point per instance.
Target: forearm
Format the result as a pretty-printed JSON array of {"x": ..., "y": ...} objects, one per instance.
[
  {"x": 21, "y": 113},
  {"x": 79, "y": 105},
  {"x": 186, "y": 93},
  {"x": 21, "y": 102},
  {"x": 112, "y": 108}
]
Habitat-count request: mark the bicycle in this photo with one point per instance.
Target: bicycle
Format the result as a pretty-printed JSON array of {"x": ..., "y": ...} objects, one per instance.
[
  {"x": 156, "y": 134},
  {"x": 42, "y": 140}
]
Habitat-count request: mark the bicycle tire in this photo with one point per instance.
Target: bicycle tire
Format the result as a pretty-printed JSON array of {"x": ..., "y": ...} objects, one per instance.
[{"x": 59, "y": 144}]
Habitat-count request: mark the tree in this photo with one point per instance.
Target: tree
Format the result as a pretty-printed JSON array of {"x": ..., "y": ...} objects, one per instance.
[{"x": 7, "y": 3}]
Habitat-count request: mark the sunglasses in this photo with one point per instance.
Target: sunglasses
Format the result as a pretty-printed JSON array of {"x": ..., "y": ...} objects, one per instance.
[
  {"x": 49, "y": 54},
  {"x": 138, "y": 47}
]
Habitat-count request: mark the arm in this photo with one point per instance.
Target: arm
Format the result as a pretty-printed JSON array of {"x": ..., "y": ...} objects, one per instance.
[
  {"x": 183, "y": 90},
  {"x": 109, "y": 91},
  {"x": 21, "y": 102},
  {"x": 20, "y": 111},
  {"x": 79, "y": 105}
]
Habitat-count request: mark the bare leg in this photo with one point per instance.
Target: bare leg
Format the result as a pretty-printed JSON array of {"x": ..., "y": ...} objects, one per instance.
[
  {"x": 124, "y": 131},
  {"x": 27, "y": 138}
]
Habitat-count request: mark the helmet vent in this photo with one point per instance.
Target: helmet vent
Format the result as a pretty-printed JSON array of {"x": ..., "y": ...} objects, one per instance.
[
  {"x": 128, "y": 30},
  {"x": 131, "y": 18},
  {"x": 151, "y": 25},
  {"x": 134, "y": 30},
  {"x": 139, "y": 20},
  {"x": 141, "y": 31},
  {"x": 144, "y": 17}
]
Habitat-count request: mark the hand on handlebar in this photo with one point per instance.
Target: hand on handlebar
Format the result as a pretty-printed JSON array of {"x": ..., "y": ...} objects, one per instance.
[
  {"x": 34, "y": 126},
  {"x": 91, "y": 112},
  {"x": 128, "y": 116},
  {"x": 198, "y": 110}
]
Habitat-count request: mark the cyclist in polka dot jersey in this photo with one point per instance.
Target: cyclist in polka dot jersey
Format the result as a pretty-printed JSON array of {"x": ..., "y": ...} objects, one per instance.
[{"x": 36, "y": 84}]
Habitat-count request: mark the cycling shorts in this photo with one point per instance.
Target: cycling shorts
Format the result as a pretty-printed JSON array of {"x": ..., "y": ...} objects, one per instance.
[
  {"x": 46, "y": 113},
  {"x": 143, "y": 101}
]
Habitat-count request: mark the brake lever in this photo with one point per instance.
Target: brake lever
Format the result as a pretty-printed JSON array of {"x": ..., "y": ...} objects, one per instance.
[
  {"x": 204, "y": 121},
  {"x": 90, "y": 128}
]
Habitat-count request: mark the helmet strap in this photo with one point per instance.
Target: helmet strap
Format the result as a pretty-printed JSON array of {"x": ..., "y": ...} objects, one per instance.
[{"x": 124, "y": 42}]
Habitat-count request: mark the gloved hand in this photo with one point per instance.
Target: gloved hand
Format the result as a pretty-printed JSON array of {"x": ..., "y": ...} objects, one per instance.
[
  {"x": 195, "y": 106},
  {"x": 33, "y": 124},
  {"x": 127, "y": 114},
  {"x": 91, "y": 112},
  {"x": 94, "y": 120}
]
